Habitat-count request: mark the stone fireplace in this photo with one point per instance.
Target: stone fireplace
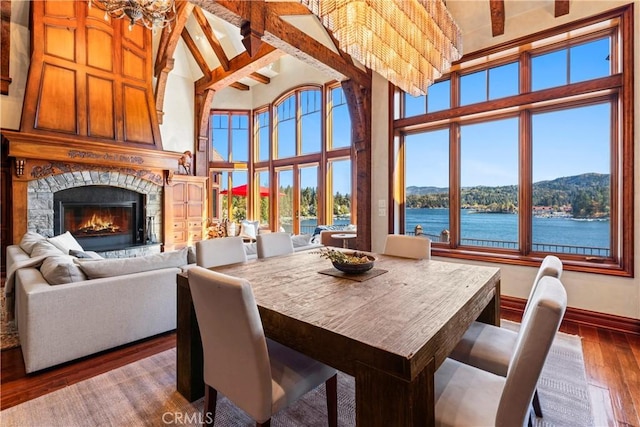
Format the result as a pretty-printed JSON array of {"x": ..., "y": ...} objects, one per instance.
[{"x": 111, "y": 212}]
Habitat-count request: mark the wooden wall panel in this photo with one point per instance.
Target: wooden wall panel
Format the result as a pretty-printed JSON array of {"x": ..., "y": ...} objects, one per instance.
[
  {"x": 99, "y": 49},
  {"x": 57, "y": 108},
  {"x": 133, "y": 65},
  {"x": 60, "y": 42},
  {"x": 137, "y": 117},
  {"x": 135, "y": 36},
  {"x": 5, "y": 47},
  {"x": 61, "y": 9},
  {"x": 100, "y": 101}
]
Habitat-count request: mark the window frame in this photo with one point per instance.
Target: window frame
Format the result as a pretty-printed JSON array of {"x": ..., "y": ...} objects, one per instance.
[{"x": 616, "y": 88}]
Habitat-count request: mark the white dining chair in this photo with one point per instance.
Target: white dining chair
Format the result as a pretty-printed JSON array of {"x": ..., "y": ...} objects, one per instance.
[
  {"x": 490, "y": 347},
  {"x": 407, "y": 246},
  {"x": 258, "y": 375},
  {"x": 274, "y": 244},
  {"x": 469, "y": 396},
  {"x": 222, "y": 251}
]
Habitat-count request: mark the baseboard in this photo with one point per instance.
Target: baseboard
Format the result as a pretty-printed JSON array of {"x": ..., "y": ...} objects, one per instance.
[{"x": 612, "y": 322}]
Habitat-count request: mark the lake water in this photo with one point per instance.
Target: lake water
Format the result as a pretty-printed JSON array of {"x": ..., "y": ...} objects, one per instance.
[{"x": 504, "y": 227}]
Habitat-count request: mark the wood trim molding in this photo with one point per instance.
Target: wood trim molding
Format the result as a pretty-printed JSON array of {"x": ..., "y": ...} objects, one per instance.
[
  {"x": 5, "y": 39},
  {"x": 611, "y": 322}
]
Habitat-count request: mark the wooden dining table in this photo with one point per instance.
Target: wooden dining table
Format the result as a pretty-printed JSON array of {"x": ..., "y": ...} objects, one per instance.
[{"x": 390, "y": 328}]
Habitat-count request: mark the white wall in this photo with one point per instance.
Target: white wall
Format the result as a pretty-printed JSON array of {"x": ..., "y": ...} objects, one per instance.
[{"x": 595, "y": 292}]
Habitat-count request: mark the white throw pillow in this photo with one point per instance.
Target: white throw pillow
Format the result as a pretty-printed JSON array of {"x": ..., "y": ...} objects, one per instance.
[
  {"x": 247, "y": 230},
  {"x": 29, "y": 240},
  {"x": 65, "y": 242},
  {"x": 58, "y": 270},
  {"x": 301, "y": 240},
  {"x": 45, "y": 248}
]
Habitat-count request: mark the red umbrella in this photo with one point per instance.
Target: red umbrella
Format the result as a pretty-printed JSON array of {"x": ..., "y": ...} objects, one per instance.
[{"x": 241, "y": 190}]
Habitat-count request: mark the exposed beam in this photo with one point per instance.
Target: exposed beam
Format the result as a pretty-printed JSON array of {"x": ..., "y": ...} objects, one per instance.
[
  {"x": 260, "y": 78},
  {"x": 202, "y": 63},
  {"x": 240, "y": 86},
  {"x": 288, "y": 38},
  {"x": 561, "y": 7},
  {"x": 289, "y": 8},
  {"x": 166, "y": 49},
  {"x": 240, "y": 66},
  {"x": 203, "y": 102},
  {"x": 252, "y": 29},
  {"x": 497, "y": 17},
  {"x": 211, "y": 37}
]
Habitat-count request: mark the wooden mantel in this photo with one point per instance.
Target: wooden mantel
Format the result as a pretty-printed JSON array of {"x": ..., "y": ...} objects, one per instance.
[{"x": 53, "y": 148}]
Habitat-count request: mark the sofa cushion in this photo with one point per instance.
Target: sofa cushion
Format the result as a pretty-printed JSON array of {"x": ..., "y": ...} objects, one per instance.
[
  {"x": 95, "y": 269},
  {"x": 65, "y": 242},
  {"x": 45, "y": 248},
  {"x": 29, "y": 239},
  {"x": 60, "y": 269},
  {"x": 301, "y": 240},
  {"x": 80, "y": 254}
]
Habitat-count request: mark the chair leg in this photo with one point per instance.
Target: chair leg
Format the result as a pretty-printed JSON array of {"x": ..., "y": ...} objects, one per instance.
[
  {"x": 536, "y": 404},
  {"x": 210, "y": 396},
  {"x": 331, "y": 387},
  {"x": 264, "y": 424}
]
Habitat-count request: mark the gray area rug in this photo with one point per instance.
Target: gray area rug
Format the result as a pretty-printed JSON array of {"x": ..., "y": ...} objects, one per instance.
[{"x": 143, "y": 394}]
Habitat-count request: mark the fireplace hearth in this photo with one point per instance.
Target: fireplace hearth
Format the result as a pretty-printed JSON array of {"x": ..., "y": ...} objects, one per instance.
[{"x": 101, "y": 217}]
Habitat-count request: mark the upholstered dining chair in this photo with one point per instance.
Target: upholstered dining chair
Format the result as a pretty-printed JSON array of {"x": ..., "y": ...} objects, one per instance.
[
  {"x": 466, "y": 395},
  {"x": 258, "y": 375},
  {"x": 407, "y": 246},
  {"x": 222, "y": 251},
  {"x": 490, "y": 347},
  {"x": 274, "y": 244}
]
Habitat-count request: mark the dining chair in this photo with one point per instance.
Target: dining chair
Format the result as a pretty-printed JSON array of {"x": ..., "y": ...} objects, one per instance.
[
  {"x": 490, "y": 347},
  {"x": 466, "y": 395},
  {"x": 274, "y": 244},
  {"x": 221, "y": 251},
  {"x": 258, "y": 375},
  {"x": 407, "y": 246}
]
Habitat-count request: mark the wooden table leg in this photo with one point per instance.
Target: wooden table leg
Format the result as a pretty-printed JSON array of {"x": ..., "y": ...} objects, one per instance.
[
  {"x": 491, "y": 313},
  {"x": 190, "y": 361},
  {"x": 386, "y": 400}
]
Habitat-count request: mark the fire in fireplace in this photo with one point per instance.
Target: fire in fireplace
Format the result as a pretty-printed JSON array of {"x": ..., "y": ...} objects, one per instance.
[{"x": 101, "y": 217}]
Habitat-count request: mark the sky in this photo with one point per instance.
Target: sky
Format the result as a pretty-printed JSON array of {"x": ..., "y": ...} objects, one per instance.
[{"x": 565, "y": 143}]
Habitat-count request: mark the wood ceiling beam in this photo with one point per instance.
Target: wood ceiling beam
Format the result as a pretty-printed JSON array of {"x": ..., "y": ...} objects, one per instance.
[
  {"x": 166, "y": 49},
  {"x": 252, "y": 29},
  {"x": 202, "y": 63},
  {"x": 497, "y": 17},
  {"x": 241, "y": 66},
  {"x": 240, "y": 86},
  {"x": 260, "y": 78},
  {"x": 211, "y": 37},
  {"x": 561, "y": 7},
  {"x": 288, "y": 38}
]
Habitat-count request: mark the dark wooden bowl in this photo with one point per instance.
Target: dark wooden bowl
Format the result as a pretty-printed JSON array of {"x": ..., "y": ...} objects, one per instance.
[{"x": 355, "y": 268}]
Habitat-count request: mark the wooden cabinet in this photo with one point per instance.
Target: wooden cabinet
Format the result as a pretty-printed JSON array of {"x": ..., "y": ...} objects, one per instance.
[{"x": 185, "y": 202}]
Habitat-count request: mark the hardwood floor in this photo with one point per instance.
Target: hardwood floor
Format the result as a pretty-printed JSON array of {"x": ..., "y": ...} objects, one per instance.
[{"x": 612, "y": 362}]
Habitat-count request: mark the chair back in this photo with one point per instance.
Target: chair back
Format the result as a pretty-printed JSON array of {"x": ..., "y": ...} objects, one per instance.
[
  {"x": 408, "y": 246},
  {"x": 236, "y": 359},
  {"x": 222, "y": 251},
  {"x": 274, "y": 244},
  {"x": 551, "y": 266},
  {"x": 537, "y": 331}
]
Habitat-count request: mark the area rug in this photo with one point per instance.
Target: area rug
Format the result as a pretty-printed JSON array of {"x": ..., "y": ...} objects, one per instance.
[
  {"x": 8, "y": 331},
  {"x": 143, "y": 394}
]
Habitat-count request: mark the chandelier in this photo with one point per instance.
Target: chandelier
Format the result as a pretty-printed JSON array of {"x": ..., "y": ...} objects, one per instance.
[
  {"x": 409, "y": 42},
  {"x": 152, "y": 13}
]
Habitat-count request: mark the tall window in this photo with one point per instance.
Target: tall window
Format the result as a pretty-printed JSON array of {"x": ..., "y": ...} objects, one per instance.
[
  {"x": 532, "y": 154},
  {"x": 295, "y": 172}
]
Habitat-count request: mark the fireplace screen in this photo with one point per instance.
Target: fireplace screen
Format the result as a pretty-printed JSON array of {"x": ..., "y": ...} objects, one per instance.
[
  {"x": 100, "y": 217},
  {"x": 87, "y": 221}
]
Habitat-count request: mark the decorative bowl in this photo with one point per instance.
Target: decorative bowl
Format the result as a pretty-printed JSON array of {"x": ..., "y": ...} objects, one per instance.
[{"x": 355, "y": 268}]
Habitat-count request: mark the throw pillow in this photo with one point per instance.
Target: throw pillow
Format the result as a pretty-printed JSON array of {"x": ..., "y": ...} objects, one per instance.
[
  {"x": 247, "y": 230},
  {"x": 64, "y": 242},
  {"x": 79, "y": 254},
  {"x": 95, "y": 269},
  {"x": 301, "y": 240},
  {"x": 45, "y": 248},
  {"x": 29, "y": 239},
  {"x": 58, "y": 270}
]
